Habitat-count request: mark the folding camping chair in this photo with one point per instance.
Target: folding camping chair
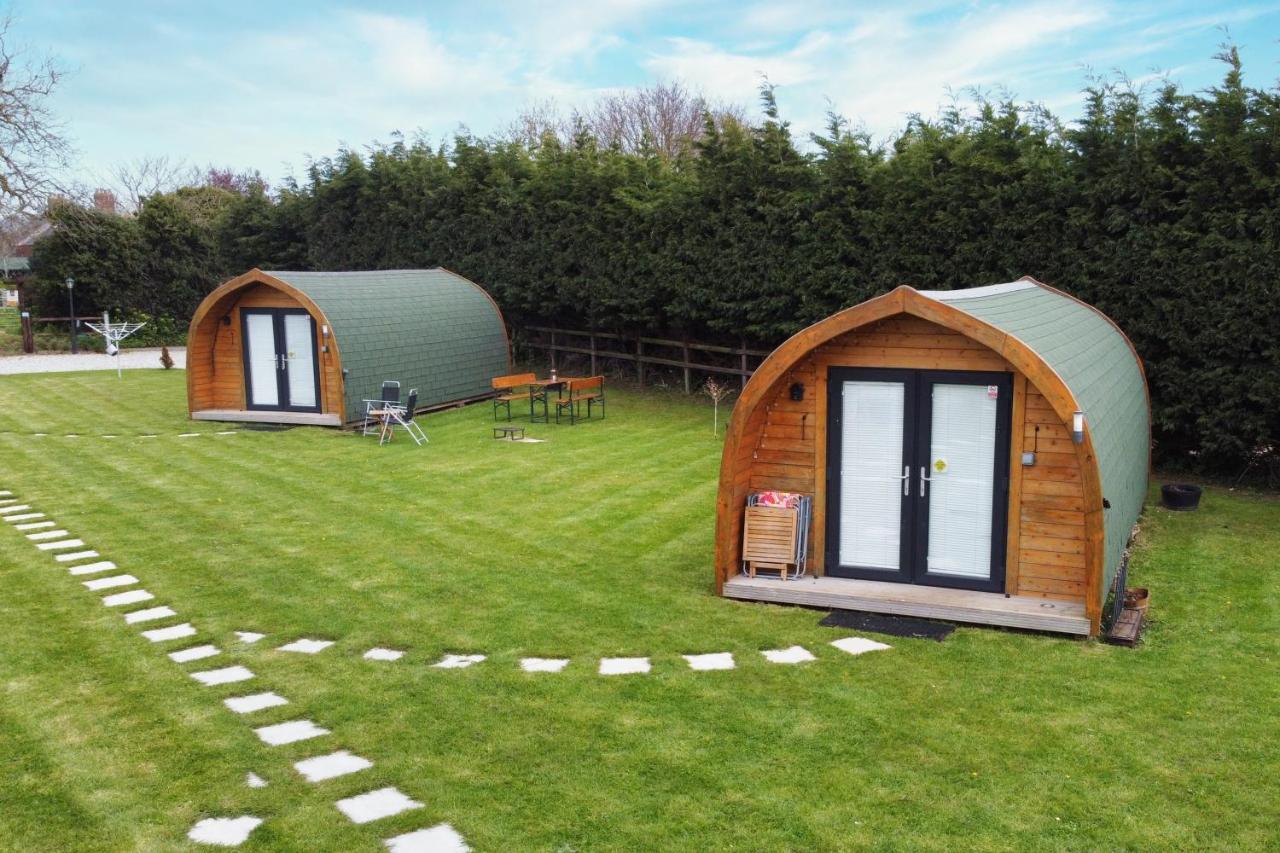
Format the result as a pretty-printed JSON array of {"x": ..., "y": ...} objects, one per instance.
[
  {"x": 390, "y": 396},
  {"x": 403, "y": 415}
]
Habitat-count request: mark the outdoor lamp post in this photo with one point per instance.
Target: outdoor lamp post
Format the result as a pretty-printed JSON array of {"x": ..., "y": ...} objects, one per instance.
[{"x": 71, "y": 295}]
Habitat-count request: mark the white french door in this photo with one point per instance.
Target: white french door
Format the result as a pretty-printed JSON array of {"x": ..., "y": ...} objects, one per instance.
[
  {"x": 917, "y": 466},
  {"x": 281, "y": 369}
]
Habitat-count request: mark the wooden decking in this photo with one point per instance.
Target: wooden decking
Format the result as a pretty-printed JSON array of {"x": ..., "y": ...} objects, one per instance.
[
  {"x": 243, "y": 416},
  {"x": 929, "y": 602}
]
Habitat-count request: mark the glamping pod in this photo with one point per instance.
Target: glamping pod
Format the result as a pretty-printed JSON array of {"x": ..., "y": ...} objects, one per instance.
[
  {"x": 974, "y": 455},
  {"x": 310, "y": 347}
]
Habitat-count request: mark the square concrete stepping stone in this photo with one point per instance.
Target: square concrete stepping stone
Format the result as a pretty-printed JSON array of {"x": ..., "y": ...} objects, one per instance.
[
  {"x": 224, "y": 831},
  {"x": 249, "y": 636},
  {"x": 441, "y": 838},
  {"x": 108, "y": 583},
  {"x": 48, "y": 534},
  {"x": 93, "y": 568},
  {"x": 226, "y": 675},
  {"x": 7, "y": 501},
  {"x": 34, "y": 525},
  {"x": 253, "y": 780},
  {"x": 173, "y": 632},
  {"x": 794, "y": 654},
  {"x": 715, "y": 660},
  {"x": 254, "y": 702},
  {"x": 5, "y": 492},
  {"x": 306, "y": 647},
  {"x": 290, "y": 732},
  {"x": 543, "y": 664},
  {"x": 383, "y": 654},
  {"x": 149, "y": 615},
  {"x": 78, "y": 555},
  {"x": 331, "y": 766},
  {"x": 375, "y": 805},
  {"x": 60, "y": 546},
  {"x": 859, "y": 645},
  {"x": 5, "y": 510},
  {"x": 194, "y": 653},
  {"x": 457, "y": 661},
  {"x": 23, "y": 516},
  {"x": 133, "y": 596},
  {"x": 623, "y": 666}
]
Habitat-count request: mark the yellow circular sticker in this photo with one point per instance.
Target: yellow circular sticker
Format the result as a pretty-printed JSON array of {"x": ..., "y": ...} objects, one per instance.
[{"x": 940, "y": 465}]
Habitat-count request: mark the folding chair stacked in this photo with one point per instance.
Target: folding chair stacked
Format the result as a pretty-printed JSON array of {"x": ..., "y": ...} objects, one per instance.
[
  {"x": 776, "y": 533},
  {"x": 390, "y": 397},
  {"x": 404, "y": 417}
]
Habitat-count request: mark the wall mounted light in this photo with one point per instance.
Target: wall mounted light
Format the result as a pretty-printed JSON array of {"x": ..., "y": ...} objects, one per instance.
[
  {"x": 1077, "y": 427},
  {"x": 797, "y": 391}
]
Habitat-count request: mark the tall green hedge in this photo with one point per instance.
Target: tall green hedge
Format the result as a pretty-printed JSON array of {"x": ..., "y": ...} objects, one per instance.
[{"x": 1162, "y": 210}]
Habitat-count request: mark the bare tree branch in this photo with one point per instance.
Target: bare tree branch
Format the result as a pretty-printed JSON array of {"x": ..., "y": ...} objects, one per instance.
[
  {"x": 146, "y": 176},
  {"x": 32, "y": 145}
]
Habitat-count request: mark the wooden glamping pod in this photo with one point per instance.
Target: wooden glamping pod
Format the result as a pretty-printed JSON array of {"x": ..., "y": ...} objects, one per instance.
[
  {"x": 974, "y": 455},
  {"x": 310, "y": 347}
]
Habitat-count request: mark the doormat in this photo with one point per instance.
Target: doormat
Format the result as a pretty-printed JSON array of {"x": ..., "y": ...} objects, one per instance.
[{"x": 894, "y": 626}]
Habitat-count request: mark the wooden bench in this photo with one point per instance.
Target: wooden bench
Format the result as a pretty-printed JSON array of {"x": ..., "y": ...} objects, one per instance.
[
  {"x": 579, "y": 391},
  {"x": 511, "y": 388}
]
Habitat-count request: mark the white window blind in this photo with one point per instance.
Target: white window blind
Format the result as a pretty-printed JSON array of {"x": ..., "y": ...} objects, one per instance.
[
  {"x": 871, "y": 474},
  {"x": 962, "y": 465}
]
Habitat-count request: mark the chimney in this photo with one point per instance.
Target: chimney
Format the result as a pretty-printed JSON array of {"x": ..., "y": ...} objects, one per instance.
[{"x": 104, "y": 200}]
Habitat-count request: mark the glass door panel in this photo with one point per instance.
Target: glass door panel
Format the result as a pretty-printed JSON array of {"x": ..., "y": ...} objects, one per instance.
[
  {"x": 260, "y": 359},
  {"x": 871, "y": 474},
  {"x": 300, "y": 361},
  {"x": 961, "y": 469}
]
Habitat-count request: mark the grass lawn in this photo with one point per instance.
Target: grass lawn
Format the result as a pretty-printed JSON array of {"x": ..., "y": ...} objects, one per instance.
[{"x": 595, "y": 543}]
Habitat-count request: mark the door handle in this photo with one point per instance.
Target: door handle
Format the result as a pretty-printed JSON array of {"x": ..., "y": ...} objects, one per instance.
[
  {"x": 906, "y": 480},
  {"x": 924, "y": 481}
]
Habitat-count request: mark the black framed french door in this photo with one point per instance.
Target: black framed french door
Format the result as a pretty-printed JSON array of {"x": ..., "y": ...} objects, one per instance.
[
  {"x": 281, "y": 370},
  {"x": 918, "y": 476}
]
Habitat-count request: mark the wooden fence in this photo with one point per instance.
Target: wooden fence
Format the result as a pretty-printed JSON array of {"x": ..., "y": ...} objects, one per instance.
[{"x": 661, "y": 352}]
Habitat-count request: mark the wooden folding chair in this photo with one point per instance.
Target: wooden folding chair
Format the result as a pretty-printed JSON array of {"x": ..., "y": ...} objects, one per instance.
[{"x": 769, "y": 539}]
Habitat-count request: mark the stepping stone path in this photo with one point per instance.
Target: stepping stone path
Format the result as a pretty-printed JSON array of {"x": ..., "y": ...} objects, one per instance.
[
  {"x": 78, "y": 555},
  {"x": 253, "y": 780},
  {"x": 60, "y": 546},
  {"x": 93, "y": 568},
  {"x": 858, "y": 645},
  {"x": 458, "y": 661},
  {"x": 255, "y": 702},
  {"x": 543, "y": 664},
  {"x": 173, "y": 632},
  {"x": 226, "y": 675},
  {"x": 224, "y": 831},
  {"x": 306, "y": 647},
  {"x": 249, "y": 636},
  {"x": 290, "y": 732},
  {"x": 795, "y": 654},
  {"x": 383, "y": 654},
  {"x": 148, "y": 615},
  {"x": 48, "y": 534},
  {"x": 441, "y": 838},
  {"x": 331, "y": 766},
  {"x": 24, "y": 516},
  {"x": 109, "y": 583},
  {"x": 376, "y": 805},
  {"x": 14, "y": 508},
  {"x": 33, "y": 525},
  {"x": 716, "y": 660},
  {"x": 133, "y": 596},
  {"x": 623, "y": 666},
  {"x": 194, "y": 653}
]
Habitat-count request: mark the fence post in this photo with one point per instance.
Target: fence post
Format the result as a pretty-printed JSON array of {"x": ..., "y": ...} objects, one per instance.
[
  {"x": 553, "y": 349},
  {"x": 688, "y": 387},
  {"x": 742, "y": 342},
  {"x": 640, "y": 359},
  {"x": 28, "y": 338}
]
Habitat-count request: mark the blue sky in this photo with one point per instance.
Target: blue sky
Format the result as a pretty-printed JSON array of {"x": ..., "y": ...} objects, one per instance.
[{"x": 264, "y": 84}]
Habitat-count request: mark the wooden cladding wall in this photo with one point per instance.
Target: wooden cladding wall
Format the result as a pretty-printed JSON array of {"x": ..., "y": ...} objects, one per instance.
[
  {"x": 217, "y": 371},
  {"x": 1046, "y": 518}
]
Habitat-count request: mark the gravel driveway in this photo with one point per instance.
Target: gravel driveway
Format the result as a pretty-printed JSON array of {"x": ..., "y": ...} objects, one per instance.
[{"x": 61, "y": 362}]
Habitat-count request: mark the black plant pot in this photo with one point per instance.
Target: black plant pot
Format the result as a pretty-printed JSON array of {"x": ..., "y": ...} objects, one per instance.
[{"x": 1180, "y": 497}]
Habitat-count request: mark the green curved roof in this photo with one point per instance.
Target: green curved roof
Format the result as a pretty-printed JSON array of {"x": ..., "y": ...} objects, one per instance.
[
  {"x": 1096, "y": 362},
  {"x": 428, "y": 329}
]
